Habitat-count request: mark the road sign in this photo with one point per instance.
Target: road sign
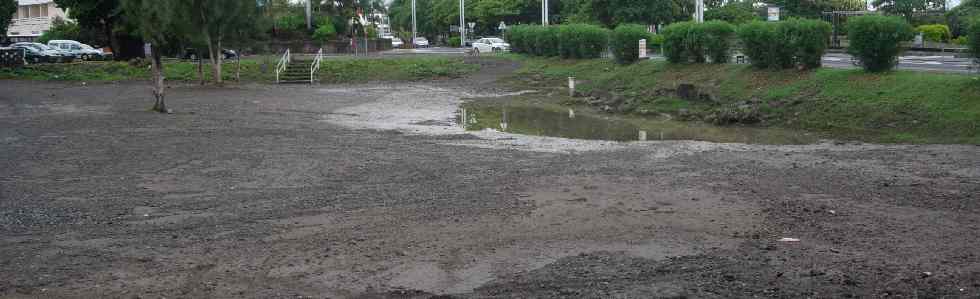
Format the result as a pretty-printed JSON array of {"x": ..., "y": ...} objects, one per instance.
[
  {"x": 502, "y": 26},
  {"x": 643, "y": 48},
  {"x": 471, "y": 24},
  {"x": 773, "y": 13}
]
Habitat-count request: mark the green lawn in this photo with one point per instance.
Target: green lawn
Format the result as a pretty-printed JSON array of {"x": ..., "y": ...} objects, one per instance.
[
  {"x": 899, "y": 106},
  {"x": 332, "y": 70}
]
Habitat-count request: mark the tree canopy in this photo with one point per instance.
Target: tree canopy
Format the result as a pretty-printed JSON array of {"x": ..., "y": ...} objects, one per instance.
[{"x": 7, "y": 10}]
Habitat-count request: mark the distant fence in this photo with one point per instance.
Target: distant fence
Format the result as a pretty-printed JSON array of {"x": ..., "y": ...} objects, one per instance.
[
  {"x": 11, "y": 57},
  {"x": 331, "y": 47}
]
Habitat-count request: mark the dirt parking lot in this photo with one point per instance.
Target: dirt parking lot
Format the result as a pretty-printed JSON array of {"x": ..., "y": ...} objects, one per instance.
[{"x": 368, "y": 191}]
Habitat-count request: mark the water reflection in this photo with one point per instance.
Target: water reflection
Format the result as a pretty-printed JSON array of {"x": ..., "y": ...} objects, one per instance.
[{"x": 531, "y": 120}]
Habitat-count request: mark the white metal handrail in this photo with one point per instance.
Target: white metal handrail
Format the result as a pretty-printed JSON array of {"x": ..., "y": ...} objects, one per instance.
[
  {"x": 283, "y": 63},
  {"x": 315, "y": 66}
]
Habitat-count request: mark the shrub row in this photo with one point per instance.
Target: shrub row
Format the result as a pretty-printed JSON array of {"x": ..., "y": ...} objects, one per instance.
[
  {"x": 935, "y": 32},
  {"x": 876, "y": 40},
  {"x": 785, "y": 44},
  {"x": 973, "y": 38},
  {"x": 625, "y": 42},
  {"x": 568, "y": 41},
  {"x": 690, "y": 41}
]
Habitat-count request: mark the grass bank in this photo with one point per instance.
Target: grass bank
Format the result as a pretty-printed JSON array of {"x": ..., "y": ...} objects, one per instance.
[
  {"x": 260, "y": 69},
  {"x": 900, "y": 106}
]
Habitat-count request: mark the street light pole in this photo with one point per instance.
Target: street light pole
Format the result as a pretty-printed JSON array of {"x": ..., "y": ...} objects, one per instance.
[
  {"x": 699, "y": 13},
  {"x": 414, "y": 28},
  {"x": 462, "y": 23},
  {"x": 544, "y": 12},
  {"x": 309, "y": 15}
]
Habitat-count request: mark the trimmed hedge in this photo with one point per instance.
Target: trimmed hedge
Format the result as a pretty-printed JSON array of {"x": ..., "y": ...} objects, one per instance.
[
  {"x": 567, "y": 41},
  {"x": 876, "y": 40},
  {"x": 973, "y": 38},
  {"x": 785, "y": 44},
  {"x": 582, "y": 41},
  {"x": 935, "y": 32},
  {"x": 454, "y": 42},
  {"x": 690, "y": 41},
  {"x": 625, "y": 42}
]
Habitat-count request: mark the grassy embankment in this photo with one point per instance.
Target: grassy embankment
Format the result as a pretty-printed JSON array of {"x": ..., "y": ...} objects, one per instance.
[
  {"x": 898, "y": 106},
  {"x": 332, "y": 70}
]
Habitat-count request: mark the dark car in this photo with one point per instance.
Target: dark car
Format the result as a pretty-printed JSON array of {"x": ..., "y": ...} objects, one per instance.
[
  {"x": 47, "y": 54},
  {"x": 33, "y": 55},
  {"x": 192, "y": 54}
]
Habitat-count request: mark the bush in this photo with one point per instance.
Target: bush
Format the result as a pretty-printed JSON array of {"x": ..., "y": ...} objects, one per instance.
[
  {"x": 935, "y": 32},
  {"x": 735, "y": 12},
  {"x": 547, "y": 41},
  {"x": 973, "y": 38},
  {"x": 625, "y": 42},
  {"x": 785, "y": 44},
  {"x": 324, "y": 30},
  {"x": 60, "y": 29},
  {"x": 454, "y": 42},
  {"x": 581, "y": 41},
  {"x": 568, "y": 41},
  {"x": 876, "y": 40},
  {"x": 716, "y": 36},
  {"x": 674, "y": 44},
  {"x": 689, "y": 41},
  {"x": 809, "y": 41},
  {"x": 962, "y": 41}
]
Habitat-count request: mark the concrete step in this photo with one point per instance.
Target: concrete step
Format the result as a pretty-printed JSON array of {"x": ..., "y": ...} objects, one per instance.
[{"x": 282, "y": 81}]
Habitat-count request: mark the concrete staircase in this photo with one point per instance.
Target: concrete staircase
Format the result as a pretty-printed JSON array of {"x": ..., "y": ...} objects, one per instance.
[{"x": 297, "y": 72}]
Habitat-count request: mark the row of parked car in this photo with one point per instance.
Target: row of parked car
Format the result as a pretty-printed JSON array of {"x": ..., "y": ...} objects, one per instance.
[{"x": 59, "y": 51}]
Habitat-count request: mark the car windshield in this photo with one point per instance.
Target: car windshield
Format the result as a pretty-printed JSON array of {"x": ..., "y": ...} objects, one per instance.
[
  {"x": 495, "y": 40},
  {"x": 43, "y": 47},
  {"x": 422, "y": 39},
  {"x": 87, "y": 47}
]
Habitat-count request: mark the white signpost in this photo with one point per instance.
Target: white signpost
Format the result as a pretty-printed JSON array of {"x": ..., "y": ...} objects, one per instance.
[
  {"x": 643, "y": 48},
  {"x": 773, "y": 13}
]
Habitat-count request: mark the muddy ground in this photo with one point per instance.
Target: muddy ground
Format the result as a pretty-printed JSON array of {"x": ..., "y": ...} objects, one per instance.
[{"x": 368, "y": 191}]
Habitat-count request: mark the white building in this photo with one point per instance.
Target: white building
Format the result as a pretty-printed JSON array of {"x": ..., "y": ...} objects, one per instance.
[{"x": 33, "y": 18}]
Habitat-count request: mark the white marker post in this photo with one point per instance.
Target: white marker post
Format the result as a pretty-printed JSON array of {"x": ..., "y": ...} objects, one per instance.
[
  {"x": 643, "y": 49},
  {"x": 571, "y": 86},
  {"x": 643, "y": 136}
]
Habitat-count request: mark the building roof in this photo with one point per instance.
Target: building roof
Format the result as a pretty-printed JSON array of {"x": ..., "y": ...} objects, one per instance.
[{"x": 32, "y": 2}]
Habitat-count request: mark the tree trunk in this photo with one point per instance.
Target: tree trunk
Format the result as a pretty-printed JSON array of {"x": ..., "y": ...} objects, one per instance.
[
  {"x": 218, "y": 57},
  {"x": 238, "y": 66},
  {"x": 158, "y": 88},
  {"x": 111, "y": 38}
]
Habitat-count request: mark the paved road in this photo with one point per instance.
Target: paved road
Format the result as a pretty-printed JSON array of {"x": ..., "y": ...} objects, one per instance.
[{"x": 945, "y": 63}]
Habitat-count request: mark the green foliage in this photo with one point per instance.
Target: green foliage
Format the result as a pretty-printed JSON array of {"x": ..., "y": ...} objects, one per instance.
[
  {"x": 61, "y": 30},
  {"x": 960, "y": 16},
  {"x": 716, "y": 36},
  {"x": 567, "y": 41},
  {"x": 735, "y": 12},
  {"x": 546, "y": 42},
  {"x": 324, "y": 29},
  {"x": 7, "y": 10},
  {"x": 292, "y": 22},
  {"x": 935, "y": 32},
  {"x": 612, "y": 13},
  {"x": 690, "y": 41},
  {"x": 785, "y": 44},
  {"x": 960, "y": 41},
  {"x": 904, "y": 7},
  {"x": 876, "y": 40},
  {"x": 624, "y": 42},
  {"x": 454, "y": 42},
  {"x": 582, "y": 41},
  {"x": 973, "y": 39},
  {"x": 102, "y": 15}
]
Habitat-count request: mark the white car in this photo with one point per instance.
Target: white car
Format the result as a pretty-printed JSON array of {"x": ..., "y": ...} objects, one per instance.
[
  {"x": 79, "y": 50},
  {"x": 490, "y": 45},
  {"x": 421, "y": 42},
  {"x": 396, "y": 42}
]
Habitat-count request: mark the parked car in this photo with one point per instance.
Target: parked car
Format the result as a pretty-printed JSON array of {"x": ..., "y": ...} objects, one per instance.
[
  {"x": 79, "y": 50},
  {"x": 421, "y": 42},
  {"x": 490, "y": 44},
  {"x": 35, "y": 55},
  {"x": 43, "y": 53},
  {"x": 396, "y": 42},
  {"x": 192, "y": 54}
]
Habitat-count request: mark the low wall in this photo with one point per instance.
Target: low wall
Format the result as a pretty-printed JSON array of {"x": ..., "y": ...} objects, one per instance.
[
  {"x": 11, "y": 57},
  {"x": 331, "y": 47}
]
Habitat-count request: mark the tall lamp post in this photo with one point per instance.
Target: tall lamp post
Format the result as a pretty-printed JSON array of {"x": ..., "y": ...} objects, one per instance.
[
  {"x": 462, "y": 23},
  {"x": 544, "y": 12},
  {"x": 414, "y": 28},
  {"x": 309, "y": 15},
  {"x": 699, "y": 11}
]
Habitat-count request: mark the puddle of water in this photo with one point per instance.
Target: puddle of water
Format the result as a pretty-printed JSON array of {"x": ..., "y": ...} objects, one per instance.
[{"x": 545, "y": 121}]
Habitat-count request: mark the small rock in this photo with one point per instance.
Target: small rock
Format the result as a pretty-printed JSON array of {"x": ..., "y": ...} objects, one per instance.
[{"x": 789, "y": 240}]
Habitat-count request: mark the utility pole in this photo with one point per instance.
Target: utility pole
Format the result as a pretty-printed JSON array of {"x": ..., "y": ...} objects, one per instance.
[
  {"x": 462, "y": 23},
  {"x": 544, "y": 12},
  {"x": 699, "y": 11},
  {"x": 309, "y": 15},
  {"x": 414, "y": 28}
]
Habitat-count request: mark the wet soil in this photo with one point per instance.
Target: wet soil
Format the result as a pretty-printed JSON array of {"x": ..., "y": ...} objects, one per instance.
[{"x": 323, "y": 192}]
